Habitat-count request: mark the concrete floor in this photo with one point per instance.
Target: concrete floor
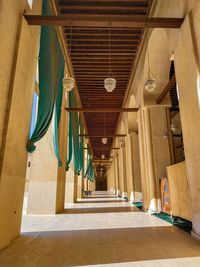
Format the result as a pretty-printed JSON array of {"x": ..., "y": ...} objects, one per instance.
[{"x": 101, "y": 231}]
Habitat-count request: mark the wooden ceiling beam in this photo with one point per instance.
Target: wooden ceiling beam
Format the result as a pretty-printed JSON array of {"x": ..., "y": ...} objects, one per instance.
[
  {"x": 95, "y": 20},
  {"x": 114, "y": 135},
  {"x": 63, "y": 2},
  {"x": 69, "y": 7},
  {"x": 102, "y": 110},
  {"x": 165, "y": 91},
  {"x": 101, "y": 148},
  {"x": 104, "y": 38}
]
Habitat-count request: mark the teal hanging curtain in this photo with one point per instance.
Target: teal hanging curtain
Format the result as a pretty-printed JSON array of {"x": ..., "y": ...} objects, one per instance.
[
  {"x": 75, "y": 143},
  {"x": 69, "y": 153},
  {"x": 73, "y": 138},
  {"x": 57, "y": 114},
  {"x": 81, "y": 167},
  {"x": 89, "y": 174},
  {"x": 51, "y": 72}
]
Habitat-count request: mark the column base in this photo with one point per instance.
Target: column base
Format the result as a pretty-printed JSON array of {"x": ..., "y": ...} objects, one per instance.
[
  {"x": 125, "y": 196},
  {"x": 155, "y": 206},
  {"x": 195, "y": 235},
  {"x": 132, "y": 197}
]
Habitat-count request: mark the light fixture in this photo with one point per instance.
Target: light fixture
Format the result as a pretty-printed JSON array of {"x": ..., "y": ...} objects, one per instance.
[
  {"x": 103, "y": 156},
  {"x": 110, "y": 82},
  {"x": 104, "y": 139},
  {"x": 174, "y": 127},
  {"x": 68, "y": 82},
  {"x": 150, "y": 84}
]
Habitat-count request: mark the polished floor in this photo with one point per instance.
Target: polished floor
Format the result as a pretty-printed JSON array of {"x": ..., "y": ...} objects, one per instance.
[{"x": 100, "y": 231}]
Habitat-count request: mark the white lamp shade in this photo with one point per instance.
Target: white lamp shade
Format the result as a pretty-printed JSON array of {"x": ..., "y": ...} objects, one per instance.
[
  {"x": 104, "y": 140},
  {"x": 110, "y": 84},
  {"x": 174, "y": 127},
  {"x": 103, "y": 156},
  {"x": 150, "y": 84},
  {"x": 68, "y": 83}
]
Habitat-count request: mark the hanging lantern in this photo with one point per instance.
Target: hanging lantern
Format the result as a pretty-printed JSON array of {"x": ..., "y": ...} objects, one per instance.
[
  {"x": 68, "y": 83},
  {"x": 174, "y": 127},
  {"x": 103, "y": 156},
  {"x": 150, "y": 83},
  {"x": 110, "y": 84},
  {"x": 104, "y": 140}
]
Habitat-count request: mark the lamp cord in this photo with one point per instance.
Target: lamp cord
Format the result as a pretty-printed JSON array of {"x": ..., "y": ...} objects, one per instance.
[
  {"x": 70, "y": 39},
  {"x": 109, "y": 53}
]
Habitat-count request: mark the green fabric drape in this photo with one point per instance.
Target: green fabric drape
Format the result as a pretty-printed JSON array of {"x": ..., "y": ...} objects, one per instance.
[
  {"x": 75, "y": 143},
  {"x": 89, "y": 174},
  {"x": 57, "y": 115},
  {"x": 81, "y": 167},
  {"x": 69, "y": 154},
  {"x": 51, "y": 71},
  {"x": 75, "y": 138}
]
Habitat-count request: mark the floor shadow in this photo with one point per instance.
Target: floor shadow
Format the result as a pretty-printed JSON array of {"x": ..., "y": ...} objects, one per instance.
[
  {"x": 87, "y": 247},
  {"x": 99, "y": 210}
]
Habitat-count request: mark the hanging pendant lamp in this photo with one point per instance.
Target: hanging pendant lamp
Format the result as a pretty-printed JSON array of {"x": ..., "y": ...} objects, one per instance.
[
  {"x": 150, "y": 84},
  {"x": 68, "y": 82},
  {"x": 104, "y": 139},
  {"x": 110, "y": 82}
]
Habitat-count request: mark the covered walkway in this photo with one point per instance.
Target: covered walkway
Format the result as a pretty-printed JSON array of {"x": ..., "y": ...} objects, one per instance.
[{"x": 100, "y": 231}]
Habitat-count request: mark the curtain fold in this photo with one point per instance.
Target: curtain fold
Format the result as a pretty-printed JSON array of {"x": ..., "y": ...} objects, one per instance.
[{"x": 51, "y": 72}]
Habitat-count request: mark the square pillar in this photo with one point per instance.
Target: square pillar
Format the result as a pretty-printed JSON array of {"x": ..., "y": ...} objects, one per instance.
[
  {"x": 188, "y": 79},
  {"x": 19, "y": 50}
]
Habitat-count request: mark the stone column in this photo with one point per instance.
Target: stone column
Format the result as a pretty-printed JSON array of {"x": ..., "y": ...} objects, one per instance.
[
  {"x": 19, "y": 51},
  {"x": 137, "y": 188},
  {"x": 187, "y": 69},
  {"x": 61, "y": 174},
  {"x": 75, "y": 192},
  {"x": 143, "y": 161},
  {"x": 117, "y": 174},
  {"x": 156, "y": 153},
  {"x": 122, "y": 171},
  {"x": 128, "y": 166},
  {"x": 69, "y": 185}
]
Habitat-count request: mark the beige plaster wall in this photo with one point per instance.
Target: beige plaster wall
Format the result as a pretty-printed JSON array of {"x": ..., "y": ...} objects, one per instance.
[
  {"x": 18, "y": 56},
  {"x": 42, "y": 185},
  {"x": 186, "y": 57},
  {"x": 137, "y": 187},
  {"x": 69, "y": 186}
]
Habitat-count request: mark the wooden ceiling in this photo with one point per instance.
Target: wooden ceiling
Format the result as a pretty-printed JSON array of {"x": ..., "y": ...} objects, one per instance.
[{"x": 89, "y": 51}]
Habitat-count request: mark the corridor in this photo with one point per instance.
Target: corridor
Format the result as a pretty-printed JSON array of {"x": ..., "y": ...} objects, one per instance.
[{"x": 101, "y": 230}]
